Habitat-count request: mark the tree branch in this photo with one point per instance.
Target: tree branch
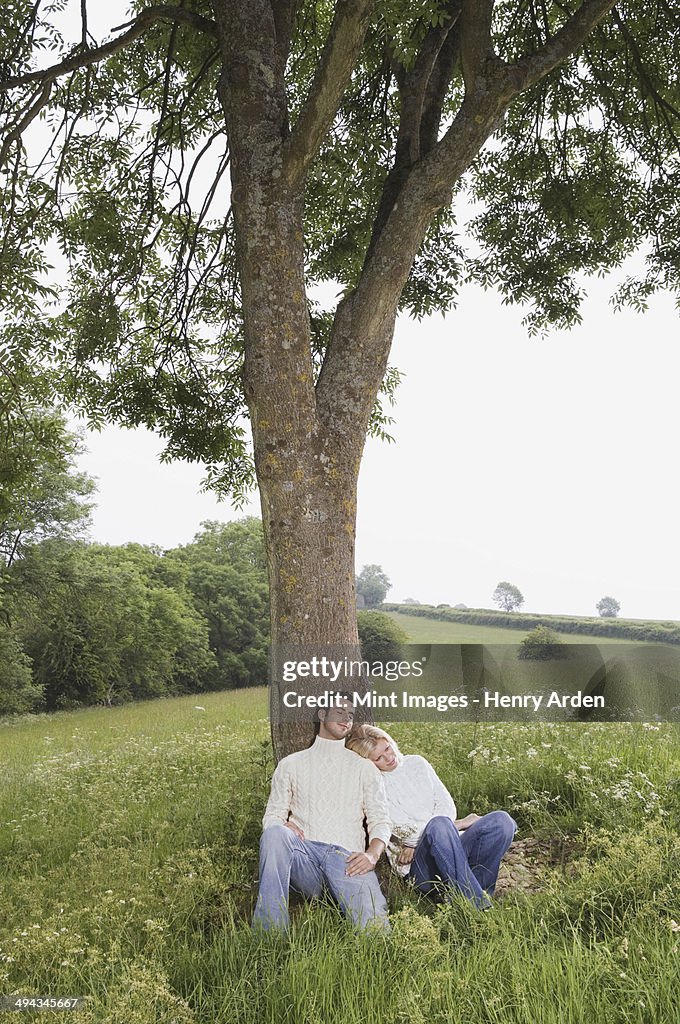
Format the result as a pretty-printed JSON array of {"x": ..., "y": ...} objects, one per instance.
[
  {"x": 338, "y": 60},
  {"x": 83, "y": 23},
  {"x": 437, "y": 88},
  {"x": 284, "y": 21},
  {"x": 31, "y": 112},
  {"x": 13, "y": 552},
  {"x": 80, "y": 58},
  {"x": 414, "y": 88},
  {"x": 171, "y": 13},
  {"x": 422, "y": 90},
  {"x": 531, "y": 69},
  {"x": 476, "y": 46},
  {"x": 360, "y": 339},
  {"x": 361, "y": 335},
  {"x": 490, "y": 87}
]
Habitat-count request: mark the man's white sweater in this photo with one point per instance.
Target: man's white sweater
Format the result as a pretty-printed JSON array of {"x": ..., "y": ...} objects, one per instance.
[{"x": 326, "y": 791}]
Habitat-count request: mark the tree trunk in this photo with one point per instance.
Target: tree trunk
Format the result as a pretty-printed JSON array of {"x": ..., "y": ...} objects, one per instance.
[
  {"x": 307, "y": 480},
  {"x": 309, "y": 525},
  {"x": 306, "y": 468}
]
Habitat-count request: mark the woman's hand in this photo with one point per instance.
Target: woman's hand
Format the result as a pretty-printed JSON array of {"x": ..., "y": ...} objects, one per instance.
[
  {"x": 469, "y": 819},
  {"x": 360, "y": 863},
  {"x": 295, "y": 828},
  {"x": 406, "y": 855}
]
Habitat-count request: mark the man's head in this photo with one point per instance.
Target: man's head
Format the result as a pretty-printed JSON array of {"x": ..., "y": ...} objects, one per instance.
[{"x": 335, "y": 722}]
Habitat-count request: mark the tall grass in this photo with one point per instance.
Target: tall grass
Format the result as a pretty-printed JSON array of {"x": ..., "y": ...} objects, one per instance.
[{"x": 128, "y": 838}]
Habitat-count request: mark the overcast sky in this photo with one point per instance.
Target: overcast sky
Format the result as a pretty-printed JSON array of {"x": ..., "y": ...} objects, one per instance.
[{"x": 550, "y": 463}]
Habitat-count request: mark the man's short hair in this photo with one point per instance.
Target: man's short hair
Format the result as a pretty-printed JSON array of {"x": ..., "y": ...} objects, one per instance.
[{"x": 345, "y": 695}]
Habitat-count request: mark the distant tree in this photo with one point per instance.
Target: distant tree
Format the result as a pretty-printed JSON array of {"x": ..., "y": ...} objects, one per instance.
[
  {"x": 372, "y": 584},
  {"x": 100, "y": 626},
  {"x": 608, "y": 607},
  {"x": 18, "y": 692},
  {"x": 410, "y": 600},
  {"x": 225, "y": 570},
  {"x": 380, "y": 636},
  {"x": 542, "y": 644},
  {"x": 41, "y": 493},
  {"x": 508, "y": 597}
]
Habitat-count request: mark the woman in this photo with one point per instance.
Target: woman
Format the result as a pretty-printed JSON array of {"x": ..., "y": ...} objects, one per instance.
[{"x": 430, "y": 846}]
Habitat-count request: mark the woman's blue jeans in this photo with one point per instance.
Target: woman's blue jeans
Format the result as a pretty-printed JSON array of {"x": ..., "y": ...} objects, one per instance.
[{"x": 468, "y": 863}]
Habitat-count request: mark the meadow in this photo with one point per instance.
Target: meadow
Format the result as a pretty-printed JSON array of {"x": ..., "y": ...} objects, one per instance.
[
  {"x": 128, "y": 839},
  {"x": 437, "y": 631},
  {"x": 639, "y": 680}
]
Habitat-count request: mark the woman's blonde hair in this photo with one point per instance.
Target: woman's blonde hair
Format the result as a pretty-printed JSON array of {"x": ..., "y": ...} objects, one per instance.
[{"x": 363, "y": 739}]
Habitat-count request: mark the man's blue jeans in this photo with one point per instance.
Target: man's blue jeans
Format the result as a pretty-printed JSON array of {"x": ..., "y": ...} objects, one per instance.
[
  {"x": 446, "y": 860},
  {"x": 312, "y": 868}
]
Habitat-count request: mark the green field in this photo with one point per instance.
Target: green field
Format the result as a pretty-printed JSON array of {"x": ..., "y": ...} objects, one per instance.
[
  {"x": 129, "y": 835},
  {"x": 638, "y": 681},
  {"x": 421, "y": 630}
]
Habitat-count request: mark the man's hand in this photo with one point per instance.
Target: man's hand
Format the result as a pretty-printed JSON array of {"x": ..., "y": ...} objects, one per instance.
[
  {"x": 360, "y": 863},
  {"x": 406, "y": 855},
  {"x": 295, "y": 828}
]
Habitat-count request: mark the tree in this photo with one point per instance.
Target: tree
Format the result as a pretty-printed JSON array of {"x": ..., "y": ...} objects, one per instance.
[
  {"x": 608, "y": 608},
  {"x": 18, "y": 692},
  {"x": 382, "y": 639},
  {"x": 100, "y": 627},
  {"x": 508, "y": 597},
  {"x": 347, "y": 129},
  {"x": 542, "y": 644},
  {"x": 225, "y": 569},
  {"x": 372, "y": 584},
  {"x": 41, "y": 493}
]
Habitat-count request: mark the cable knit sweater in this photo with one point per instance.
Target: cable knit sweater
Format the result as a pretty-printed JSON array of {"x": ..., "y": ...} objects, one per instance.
[
  {"x": 326, "y": 790},
  {"x": 415, "y": 793}
]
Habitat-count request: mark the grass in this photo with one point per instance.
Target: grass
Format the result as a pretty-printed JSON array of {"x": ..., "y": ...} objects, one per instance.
[{"x": 129, "y": 835}]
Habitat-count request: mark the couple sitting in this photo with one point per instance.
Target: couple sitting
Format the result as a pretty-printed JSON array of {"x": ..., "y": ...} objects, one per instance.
[{"x": 314, "y": 842}]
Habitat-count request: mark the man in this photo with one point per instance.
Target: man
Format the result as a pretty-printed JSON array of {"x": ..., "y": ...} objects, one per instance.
[{"x": 313, "y": 838}]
